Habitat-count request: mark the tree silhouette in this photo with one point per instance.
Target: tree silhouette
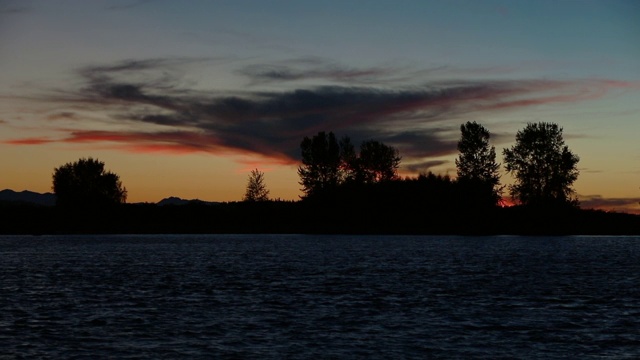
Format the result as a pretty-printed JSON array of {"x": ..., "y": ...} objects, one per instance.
[
  {"x": 256, "y": 189},
  {"x": 327, "y": 163},
  {"x": 477, "y": 167},
  {"x": 320, "y": 170},
  {"x": 543, "y": 166},
  {"x": 85, "y": 183},
  {"x": 377, "y": 162},
  {"x": 348, "y": 161}
]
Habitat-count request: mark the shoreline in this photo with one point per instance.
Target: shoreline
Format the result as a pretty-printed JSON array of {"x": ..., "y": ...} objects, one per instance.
[{"x": 282, "y": 217}]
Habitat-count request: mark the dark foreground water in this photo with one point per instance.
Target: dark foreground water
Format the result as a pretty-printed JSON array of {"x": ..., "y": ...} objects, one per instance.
[{"x": 307, "y": 297}]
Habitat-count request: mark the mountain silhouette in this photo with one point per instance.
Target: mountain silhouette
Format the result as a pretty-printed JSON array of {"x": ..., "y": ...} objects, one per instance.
[
  {"x": 172, "y": 200},
  {"x": 49, "y": 199},
  {"x": 46, "y": 199}
]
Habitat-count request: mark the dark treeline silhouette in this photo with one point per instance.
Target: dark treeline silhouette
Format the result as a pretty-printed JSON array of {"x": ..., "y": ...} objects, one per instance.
[
  {"x": 350, "y": 192},
  {"x": 299, "y": 217},
  {"x": 334, "y": 176}
]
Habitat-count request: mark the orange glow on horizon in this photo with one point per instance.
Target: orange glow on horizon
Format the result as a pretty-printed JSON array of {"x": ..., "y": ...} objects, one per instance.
[{"x": 506, "y": 202}]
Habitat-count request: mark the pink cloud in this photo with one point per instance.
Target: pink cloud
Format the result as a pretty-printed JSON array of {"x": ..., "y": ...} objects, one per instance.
[
  {"x": 176, "y": 143},
  {"x": 30, "y": 141},
  {"x": 561, "y": 92}
]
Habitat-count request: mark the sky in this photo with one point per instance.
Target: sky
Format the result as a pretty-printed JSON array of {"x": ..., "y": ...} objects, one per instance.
[{"x": 184, "y": 98}]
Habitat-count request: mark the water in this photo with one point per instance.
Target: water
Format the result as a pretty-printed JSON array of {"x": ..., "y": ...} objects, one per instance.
[{"x": 275, "y": 296}]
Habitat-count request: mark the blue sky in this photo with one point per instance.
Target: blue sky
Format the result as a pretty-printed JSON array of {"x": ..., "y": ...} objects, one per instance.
[{"x": 210, "y": 89}]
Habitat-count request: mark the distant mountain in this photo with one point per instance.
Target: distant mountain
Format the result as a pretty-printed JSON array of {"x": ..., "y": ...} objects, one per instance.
[
  {"x": 49, "y": 199},
  {"x": 46, "y": 199},
  {"x": 172, "y": 200}
]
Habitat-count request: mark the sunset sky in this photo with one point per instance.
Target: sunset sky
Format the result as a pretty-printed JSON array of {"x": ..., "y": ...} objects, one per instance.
[{"x": 184, "y": 98}]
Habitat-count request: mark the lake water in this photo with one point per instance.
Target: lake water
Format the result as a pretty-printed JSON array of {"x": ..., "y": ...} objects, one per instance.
[{"x": 294, "y": 296}]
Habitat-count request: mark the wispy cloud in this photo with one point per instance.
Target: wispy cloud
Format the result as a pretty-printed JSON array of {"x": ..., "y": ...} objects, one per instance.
[
  {"x": 423, "y": 166},
  {"x": 319, "y": 69},
  {"x": 152, "y": 110},
  {"x": 126, "y": 4},
  {"x": 30, "y": 141},
  {"x": 9, "y": 9},
  {"x": 630, "y": 205},
  {"x": 64, "y": 115},
  {"x": 590, "y": 171}
]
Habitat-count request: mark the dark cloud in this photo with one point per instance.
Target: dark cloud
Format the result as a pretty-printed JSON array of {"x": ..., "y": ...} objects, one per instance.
[
  {"x": 327, "y": 71},
  {"x": 7, "y": 9},
  {"x": 501, "y": 137},
  {"x": 126, "y": 4},
  {"x": 64, "y": 115},
  {"x": 590, "y": 171},
  {"x": 417, "y": 120},
  {"x": 315, "y": 70},
  {"x": 160, "y": 74},
  {"x": 416, "y": 144},
  {"x": 578, "y": 136},
  {"x": 132, "y": 65},
  {"x": 424, "y": 166},
  {"x": 163, "y": 119},
  {"x": 126, "y": 65}
]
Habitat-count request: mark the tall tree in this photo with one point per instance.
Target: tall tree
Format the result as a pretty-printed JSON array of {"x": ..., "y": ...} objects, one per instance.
[
  {"x": 320, "y": 170},
  {"x": 256, "y": 188},
  {"x": 327, "y": 163},
  {"x": 543, "y": 167},
  {"x": 477, "y": 166},
  {"x": 86, "y": 183},
  {"x": 377, "y": 162},
  {"x": 348, "y": 161}
]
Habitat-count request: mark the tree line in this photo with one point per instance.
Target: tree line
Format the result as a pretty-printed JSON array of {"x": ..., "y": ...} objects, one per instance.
[
  {"x": 543, "y": 167},
  {"x": 349, "y": 189}
]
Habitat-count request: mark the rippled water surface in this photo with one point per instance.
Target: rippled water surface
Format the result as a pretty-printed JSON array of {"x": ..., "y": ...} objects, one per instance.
[{"x": 288, "y": 296}]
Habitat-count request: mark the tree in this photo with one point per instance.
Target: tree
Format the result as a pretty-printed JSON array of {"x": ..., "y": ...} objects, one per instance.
[
  {"x": 86, "y": 183},
  {"x": 256, "y": 189},
  {"x": 320, "y": 170},
  {"x": 348, "y": 161},
  {"x": 477, "y": 167},
  {"x": 543, "y": 167},
  {"x": 377, "y": 162},
  {"x": 327, "y": 163}
]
